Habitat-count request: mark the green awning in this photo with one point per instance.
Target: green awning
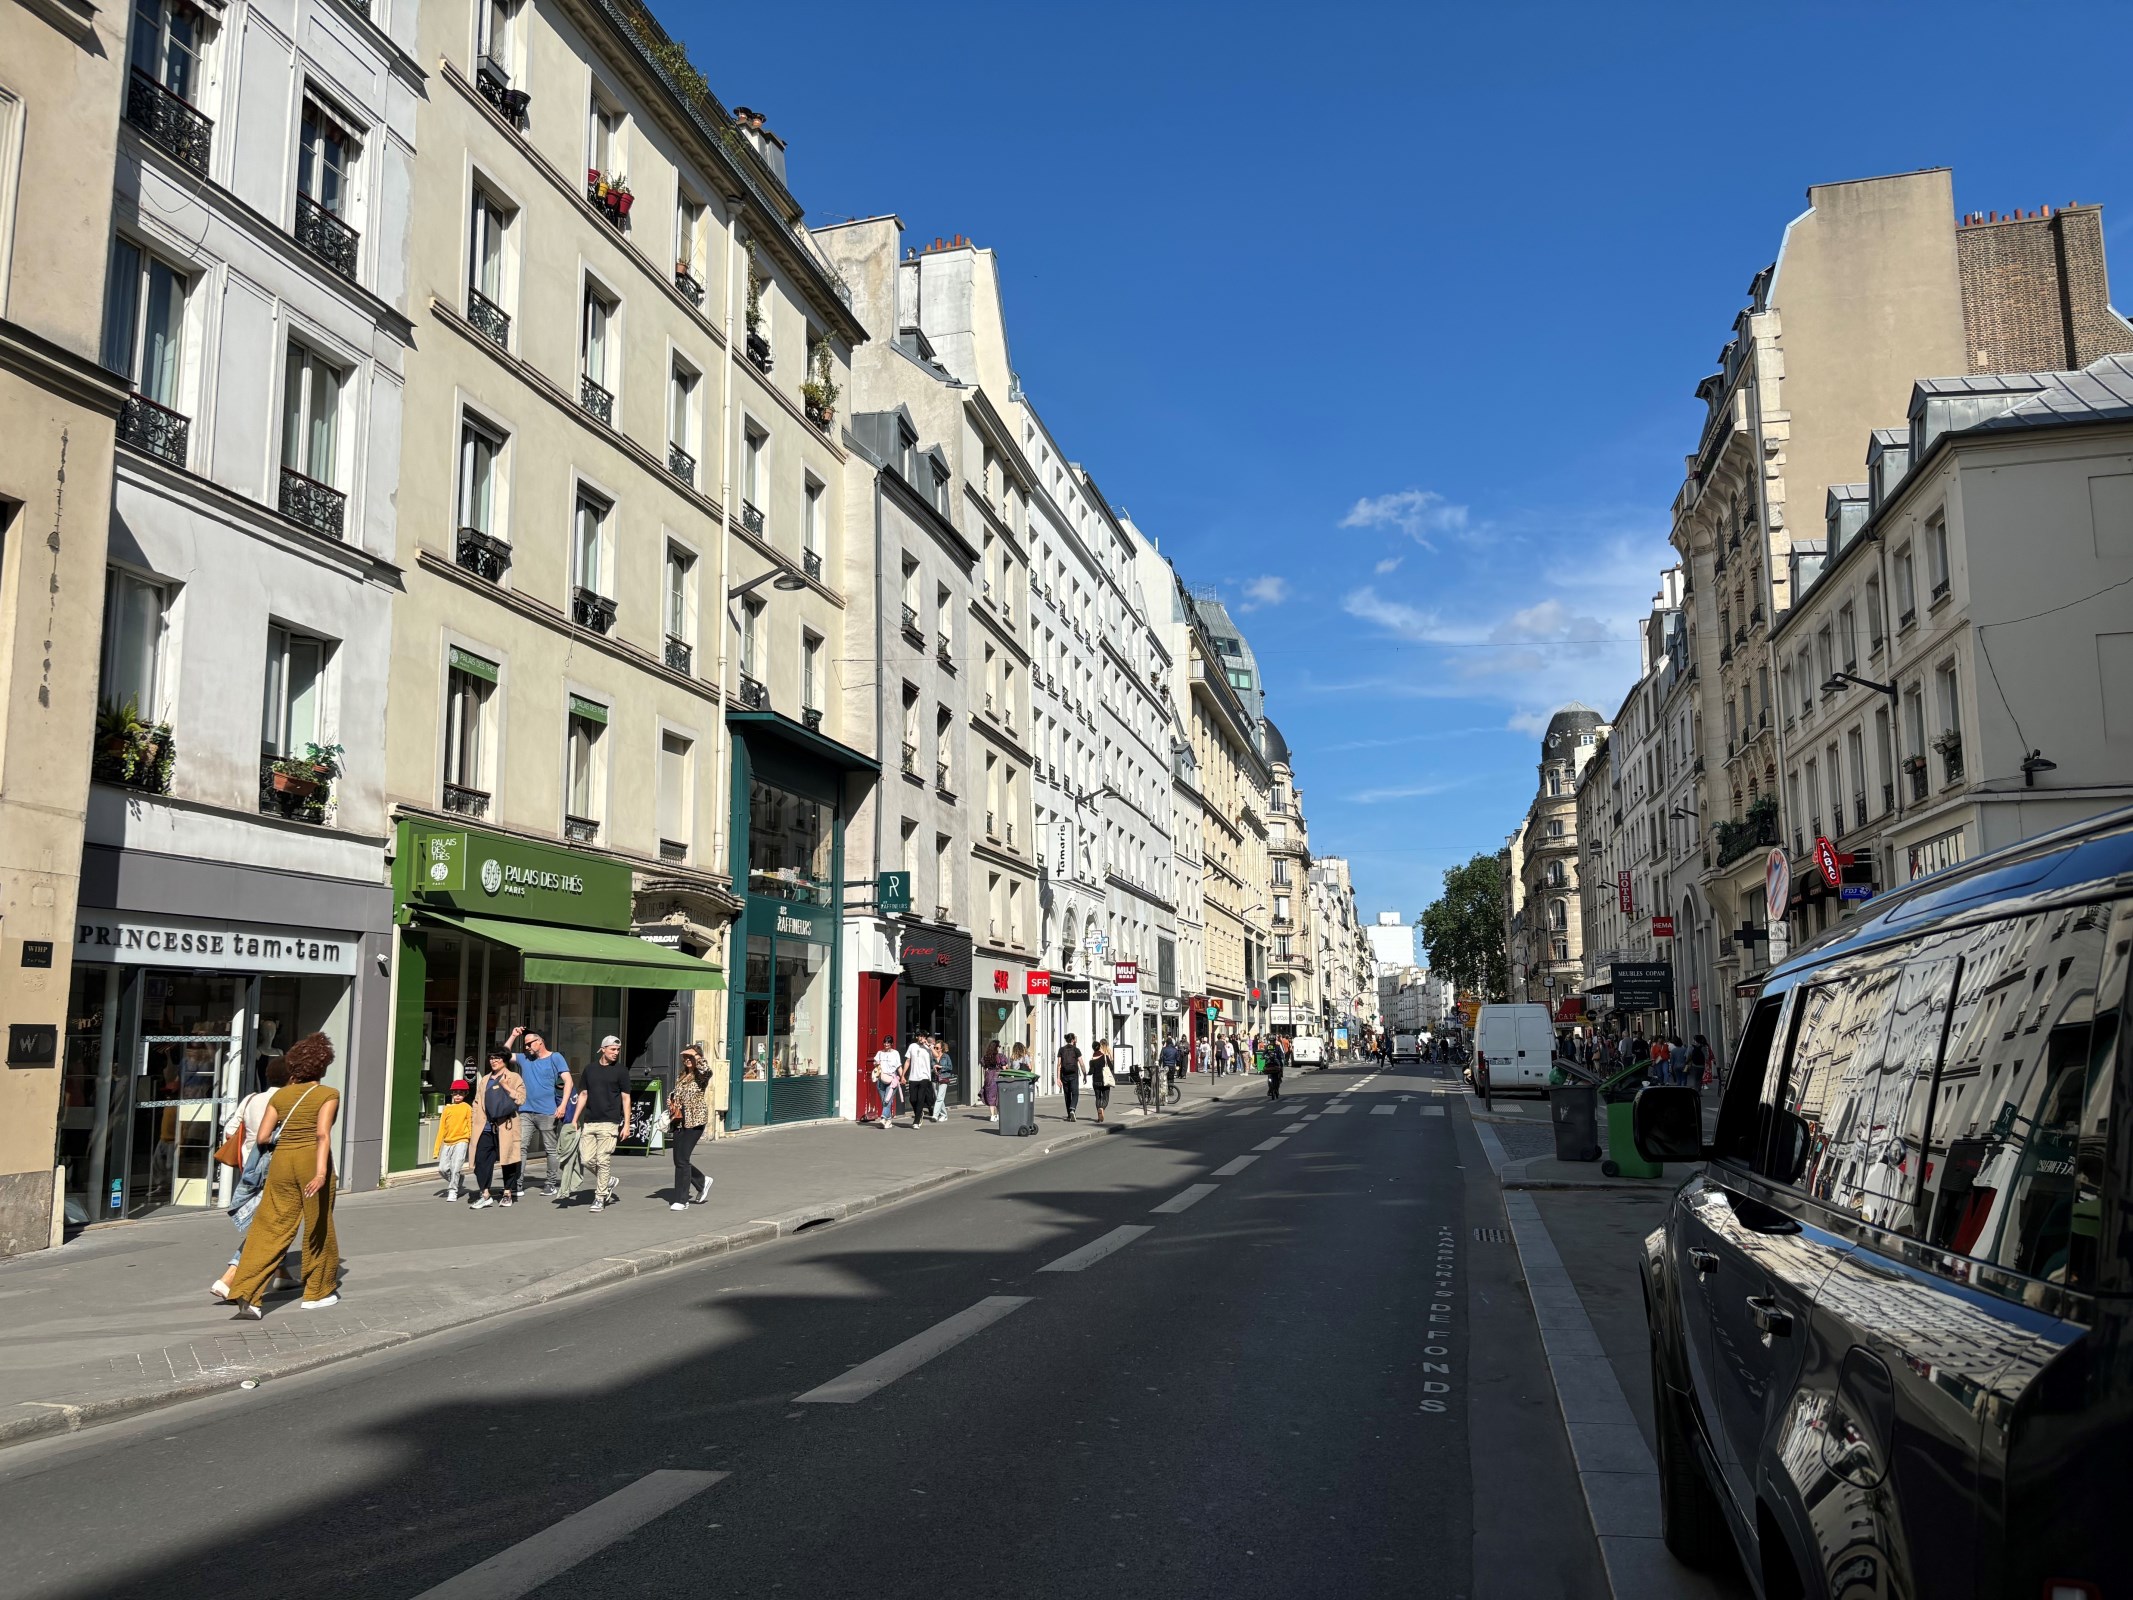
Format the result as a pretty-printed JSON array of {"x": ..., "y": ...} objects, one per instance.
[
  {"x": 579, "y": 955},
  {"x": 476, "y": 666}
]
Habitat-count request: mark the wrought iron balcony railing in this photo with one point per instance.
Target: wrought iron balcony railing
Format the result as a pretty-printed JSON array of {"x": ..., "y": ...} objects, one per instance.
[
  {"x": 488, "y": 319},
  {"x": 811, "y": 716},
  {"x": 463, "y": 801},
  {"x": 596, "y": 400},
  {"x": 495, "y": 86},
  {"x": 681, "y": 464},
  {"x": 681, "y": 656},
  {"x": 673, "y": 850},
  {"x": 313, "y": 504},
  {"x": 689, "y": 284},
  {"x": 754, "y": 695},
  {"x": 155, "y": 428},
  {"x": 590, "y": 610},
  {"x": 167, "y": 121},
  {"x": 751, "y": 518},
  {"x": 759, "y": 351},
  {"x": 581, "y": 830},
  {"x": 326, "y": 236},
  {"x": 483, "y": 555},
  {"x": 811, "y": 564}
]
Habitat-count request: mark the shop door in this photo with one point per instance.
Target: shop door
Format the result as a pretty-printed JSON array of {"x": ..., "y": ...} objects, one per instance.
[
  {"x": 185, "y": 1085},
  {"x": 92, "y": 1096}
]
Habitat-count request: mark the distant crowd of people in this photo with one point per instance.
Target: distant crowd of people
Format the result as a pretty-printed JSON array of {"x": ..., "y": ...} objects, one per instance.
[{"x": 1668, "y": 1059}]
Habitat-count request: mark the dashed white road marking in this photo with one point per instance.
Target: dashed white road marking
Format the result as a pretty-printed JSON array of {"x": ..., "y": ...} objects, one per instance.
[
  {"x": 1433, "y": 1111},
  {"x": 532, "y": 1563},
  {"x": 1294, "y": 1127},
  {"x": 1185, "y": 1199},
  {"x": 1383, "y": 1111},
  {"x": 1336, "y": 1109},
  {"x": 1314, "y": 1116},
  {"x": 1235, "y": 1167},
  {"x": 1096, "y": 1249},
  {"x": 869, "y": 1377},
  {"x": 1274, "y": 1143}
]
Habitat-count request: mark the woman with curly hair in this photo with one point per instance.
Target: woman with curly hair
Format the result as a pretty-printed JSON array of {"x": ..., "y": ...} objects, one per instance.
[{"x": 299, "y": 1187}]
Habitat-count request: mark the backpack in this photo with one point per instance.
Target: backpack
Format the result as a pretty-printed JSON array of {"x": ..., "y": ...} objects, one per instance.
[{"x": 497, "y": 1104}]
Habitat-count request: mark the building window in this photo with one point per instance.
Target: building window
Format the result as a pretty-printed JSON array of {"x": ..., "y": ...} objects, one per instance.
[
  {"x": 1914, "y": 727},
  {"x": 943, "y": 877},
  {"x": 943, "y": 750},
  {"x": 597, "y": 350},
  {"x": 585, "y": 752},
  {"x": 675, "y": 805},
  {"x": 752, "y": 638},
  {"x": 1555, "y": 827},
  {"x": 144, "y": 342},
  {"x": 470, "y": 684},
  {"x": 683, "y": 386},
  {"x": 1937, "y": 556},
  {"x": 588, "y": 553},
  {"x": 481, "y": 452},
  {"x": 1281, "y": 908},
  {"x": 168, "y": 38},
  {"x": 1848, "y": 636},
  {"x": 811, "y": 672},
  {"x": 603, "y": 136},
  {"x": 292, "y": 714},
  {"x": 1876, "y": 622},
  {"x": 326, "y": 153},
  {"x": 680, "y": 608},
  {"x": 1906, "y": 589},
  {"x": 689, "y": 246},
  {"x": 310, "y": 418},
  {"x": 488, "y": 246},
  {"x": 811, "y": 529},
  {"x": 135, "y": 610},
  {"x": 1950, "y": 742},
  {"x": 755, "y": 485}
]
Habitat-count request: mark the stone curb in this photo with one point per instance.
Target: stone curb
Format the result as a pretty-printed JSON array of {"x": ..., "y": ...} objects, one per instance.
[{"x": 47, "y": 1419}]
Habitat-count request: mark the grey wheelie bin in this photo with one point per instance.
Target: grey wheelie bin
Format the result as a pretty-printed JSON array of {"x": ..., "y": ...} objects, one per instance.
[{"x": 1018, "y": 1103}]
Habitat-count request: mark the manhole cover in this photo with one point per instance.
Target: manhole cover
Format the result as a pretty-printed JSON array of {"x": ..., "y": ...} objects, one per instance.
[{"x": 1492, "y": 1235}]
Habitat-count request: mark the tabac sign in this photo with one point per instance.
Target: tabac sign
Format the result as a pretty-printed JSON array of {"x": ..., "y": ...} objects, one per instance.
[{"x": 464, "y": 869}]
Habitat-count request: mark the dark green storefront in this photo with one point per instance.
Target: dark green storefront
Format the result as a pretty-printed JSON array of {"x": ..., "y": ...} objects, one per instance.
[
  {"x": 495, "y": 932},
  {"x": 792, "y": 792}
]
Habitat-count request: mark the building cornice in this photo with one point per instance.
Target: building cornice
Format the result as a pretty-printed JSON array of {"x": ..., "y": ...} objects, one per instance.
[
  {"x": 178, "y": 483},
  {"x": 58, "y": 370}
]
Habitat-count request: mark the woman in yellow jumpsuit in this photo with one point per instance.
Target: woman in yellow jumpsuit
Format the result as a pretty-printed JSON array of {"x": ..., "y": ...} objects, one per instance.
[{"x": 299, "y": 1187}]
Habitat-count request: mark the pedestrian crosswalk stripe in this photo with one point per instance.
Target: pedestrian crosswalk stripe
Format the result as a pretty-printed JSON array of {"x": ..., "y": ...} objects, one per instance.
[
  {"x": 1274, "y": 1143},
  {"x": 1383, "y": 1111},
  {"x": 870, "y": 1377},
  {"x": 1294, "y": 1127},
  {"x": 1096, "y": 1249},
  {"x": 1336, "y": 1110},
  {"x": 533, "y": 1562}
]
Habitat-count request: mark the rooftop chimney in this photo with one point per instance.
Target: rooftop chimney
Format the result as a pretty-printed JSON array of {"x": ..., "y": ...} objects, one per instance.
[{"x": 767, "y": 145}]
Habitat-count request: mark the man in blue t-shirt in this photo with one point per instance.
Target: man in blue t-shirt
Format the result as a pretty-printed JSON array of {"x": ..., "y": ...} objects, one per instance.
[{"x": 547, "y": 1079}]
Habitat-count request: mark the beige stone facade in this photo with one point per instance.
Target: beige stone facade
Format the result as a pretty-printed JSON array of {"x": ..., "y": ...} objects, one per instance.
[{"x": 61, "y": 65}]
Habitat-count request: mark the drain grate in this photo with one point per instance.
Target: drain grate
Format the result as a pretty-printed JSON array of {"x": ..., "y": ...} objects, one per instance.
[{"x": 1492, "y": 1235}]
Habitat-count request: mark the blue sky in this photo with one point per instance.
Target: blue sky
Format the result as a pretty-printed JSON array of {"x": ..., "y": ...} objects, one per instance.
[{"x": 1385, "y": 319}]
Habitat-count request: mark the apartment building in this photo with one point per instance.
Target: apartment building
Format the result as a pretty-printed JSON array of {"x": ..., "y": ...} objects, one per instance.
[
  {"x": 1171, "y": 627},
  {"x": 1956, "y": 673},
  {"x": 256, "y": 307},
  {"x": 618, "y": 662},
  {"x": 62, "y": 81},
  {"x": 1293, "y": 977},
  {"x": 1347, "y": 992},
  {"x": 1236, "y": 789},
  {"x": 952, "y": 510},
  {"x": 1544, "y": 928}
]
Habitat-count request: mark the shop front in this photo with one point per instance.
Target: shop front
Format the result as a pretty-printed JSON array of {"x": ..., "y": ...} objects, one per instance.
[
  {"x": 171, "y": 1021},
  {"x": 1004, "y": 1017},
  {"x": 497, "y": 933},
  {"x": 935, "y": 993},
  {"x": 792, "y": 794}
]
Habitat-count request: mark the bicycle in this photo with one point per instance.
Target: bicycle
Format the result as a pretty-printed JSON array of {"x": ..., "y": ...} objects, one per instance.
[{"x": 1147, "y": 1091}]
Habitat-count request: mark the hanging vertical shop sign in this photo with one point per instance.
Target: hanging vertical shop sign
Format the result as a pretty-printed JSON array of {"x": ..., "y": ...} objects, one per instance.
[{"x": 1624, "y": 894}]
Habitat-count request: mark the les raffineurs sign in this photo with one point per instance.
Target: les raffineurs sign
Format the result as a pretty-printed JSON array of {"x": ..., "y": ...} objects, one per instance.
[{"x": 463, "y": 869}]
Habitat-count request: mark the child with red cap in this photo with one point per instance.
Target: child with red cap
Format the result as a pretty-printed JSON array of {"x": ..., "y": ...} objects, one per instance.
[{"x": 455, "y": 1131}]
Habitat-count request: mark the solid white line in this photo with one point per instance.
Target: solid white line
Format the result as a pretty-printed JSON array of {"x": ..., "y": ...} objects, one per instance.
[
  {"x": 531, "y": 1563},
  {"x": 871, "y": 1376},
  {"x": 1274, "y": 1143},
  {"x": 1235, "y": 1167},
  {"x": 1185, "y": 1199},
  {"x": 1382, "y": 1111},
  {"x": 1094, "y": 1251}
]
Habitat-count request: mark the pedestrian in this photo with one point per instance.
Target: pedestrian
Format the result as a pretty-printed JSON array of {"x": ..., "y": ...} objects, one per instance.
[
  {"x": 298, "y": 1196},
  {"x": 1172, "y": 1061},
  {"x": 569, "y": 1161},
  {"x": 603, "y": 1118},
  {"x": 943, "y": 1077},
  {"x": 495, "y": 1125},
  {"x": 1640, "y": 1048},
  {"x": 888, "y": 1069},
  {"x": 1203, "y": 1055},
  {"x": 688, "y": 1113},
  {"x": 918, "y": 1078},
  {"x": 1699, "y": 1061},
  {"x": 1101, "y": 1076},
  {"x": 1276, "y": 1061},
  {"x": 546, "y": 1075},
  {"x": 989, "y": 1092},
  {"x": 455, "y": 1137},
  {"x": 252, "y": 1163},
  {"x": 1070, "y": 1075}
]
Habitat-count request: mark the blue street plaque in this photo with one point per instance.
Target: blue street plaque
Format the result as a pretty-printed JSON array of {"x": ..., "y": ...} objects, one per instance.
[{"x": 1857, "y": 891}]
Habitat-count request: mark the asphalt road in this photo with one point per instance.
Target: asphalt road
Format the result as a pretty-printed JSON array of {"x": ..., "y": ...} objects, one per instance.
[{"x": 1315, "y": 1372}]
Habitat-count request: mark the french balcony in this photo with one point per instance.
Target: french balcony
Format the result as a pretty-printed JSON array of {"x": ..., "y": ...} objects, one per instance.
[
  {"x": 1859, "y": 809},
  {"x": 312, "y": 504},
  {"x": 596, "y": 401},
  {"x": 484, "y": 555},
  {"x": 488, "y": 319},
  {"x": 752, "y": 519},
  {"x": 593, "y": 611},
  {"x": 755, "y": 695},
  {"x": 611, "y": 199},
  {"x": 495, "y": 86},
  {"x": 681, "y": 464},
  {"x": 326, "y": 236},
  {"x": 463, "y": 801},
  {"x": 811, "y": 718},
  {"x": 581, "y": 830},
  {"x": 154, "y": 428},
  {"x": 673, "y": 850},
  {"x": 168, "y": 122},
  {"x": 911, "y": 628},
  {"x": 1916, "y": 767},
  {"x": 911, "y": 758},
  {"x": 811, "y": 564},
  {"x": 688, "y": 283},
  {"x": 681, "y": 656},
  {"x": 940, "y": 777},
  {"x": 1888, "y": 798},
  {"x": 291, "y": 794},
  {"x": 944, "y": 651},
  {"x": 758, "y": 351}
]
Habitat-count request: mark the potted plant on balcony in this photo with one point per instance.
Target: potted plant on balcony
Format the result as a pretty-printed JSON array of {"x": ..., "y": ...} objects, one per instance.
[
  {"x": 819, "y": 392},
  {"x": 1914, "y": 763},
  {"x": 131, "y": 750},
  {"x": 619, "y": 199},
  {"x": 757, "y": 281},
  {"x": 1949, "y": 743}
]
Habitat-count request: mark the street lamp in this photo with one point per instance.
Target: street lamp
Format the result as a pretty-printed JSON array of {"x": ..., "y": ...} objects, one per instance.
[
  {"x": 2032, "y": 764},
  {"x": 1840, "y": 681},
  {"x": 778, "y": 578}
]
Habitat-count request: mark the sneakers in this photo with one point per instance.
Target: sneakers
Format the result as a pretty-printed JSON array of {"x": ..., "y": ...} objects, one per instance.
[
  {"x": 485, "y": 1200},
  {"x": 703, "y": 1195},
  {"x": 219, "y": 1289},
  {"x": 451, "y": 1194},
  {"x": 320, "y": 1305},
  {"x": 250, "y": 1313},
  {"x": 679, "y": 1205},
  {"x": 507, "y": 1200},
  {"x": 599, "y": 1204},
  {"x": 552, "y": 1190}
]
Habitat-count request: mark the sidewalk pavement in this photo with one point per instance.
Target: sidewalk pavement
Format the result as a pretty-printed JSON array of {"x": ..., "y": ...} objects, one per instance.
[
  {"x": 120, "y": 1320},
  {"x": 1580, "y": 1237}
]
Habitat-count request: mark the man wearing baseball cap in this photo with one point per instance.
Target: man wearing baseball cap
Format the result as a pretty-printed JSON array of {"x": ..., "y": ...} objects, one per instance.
[{"x": 603, "y": 1117}]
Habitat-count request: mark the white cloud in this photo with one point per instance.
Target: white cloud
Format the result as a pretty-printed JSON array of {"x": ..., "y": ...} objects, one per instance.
[
  {"x": 1531, "y": 723},
  {"x": 1389, "y": 564},
  {"x": 1419, "y": 791},
  {"x": 1415, "y": 512},
  {"x": 1265, "y": 591}
]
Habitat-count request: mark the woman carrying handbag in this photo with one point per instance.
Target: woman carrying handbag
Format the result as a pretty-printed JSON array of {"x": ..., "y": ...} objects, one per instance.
[
  {"x": 298, "y": 1196},
  {"x": 242, "y": 1150}
]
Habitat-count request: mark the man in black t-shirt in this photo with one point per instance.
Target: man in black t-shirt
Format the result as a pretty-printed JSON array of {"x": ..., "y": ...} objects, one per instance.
[
  {"x": 603, "y": 1117},
  {"x": 1070, "y": 1075}
]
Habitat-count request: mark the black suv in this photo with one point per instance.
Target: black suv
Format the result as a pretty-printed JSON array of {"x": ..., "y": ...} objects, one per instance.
[{"x": 1892, "y": 1319}]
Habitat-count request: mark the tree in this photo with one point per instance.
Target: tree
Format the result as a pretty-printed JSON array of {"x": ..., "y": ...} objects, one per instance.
[{"x": 1463, "y": 930}]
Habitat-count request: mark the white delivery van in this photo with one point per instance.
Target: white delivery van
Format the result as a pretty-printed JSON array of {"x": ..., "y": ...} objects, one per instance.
[
  {"x": 1310, "y": 1050},
  {"x": 1518, "y": 1042},
  {"x": 1406, "y": 1047}
]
